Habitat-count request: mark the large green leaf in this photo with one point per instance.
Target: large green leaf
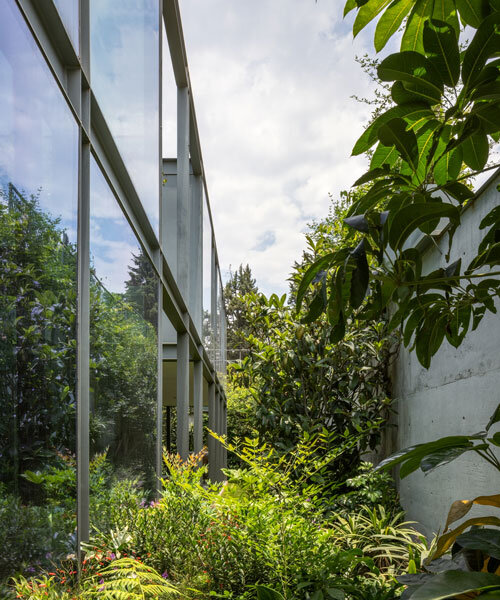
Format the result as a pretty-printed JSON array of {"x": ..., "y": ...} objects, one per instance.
[
  {"x": 452, "y": 583},
  {"x": 445, "y": 10},
  {"x": 487, "y": 91},
  {"x": 380, "y": 189},
  {"x": 426, "y": 142},
  {"x": 394, "y": 133},
  {"x": 264, "y": 592},
  {"x": 495, "y": 418},
  {"x": 475, "y": 150},
  {"x": 441, "y": 457},
  {"x": 446, "y": 541},
  {"x": 371, "y": 175},
  {"x": 322, "y": 263},
  {"x": 448, "y": 166},
  {"x": 410, "y": 217},
  {"x": 409, "y": 112},
  {"x": 458, "y": 190},
  {"x": 367, "y": 13},
  {"x": 484, "y": 44},
  {"x": 384, "y": 155},
  {"x": 318, "y": 304},
  {"x": 489, "y": 114},
  {"x": 390, "y": 21},
  {"x": 401, "y": 95},
  {"x": 416, "y": 71},
  {"x": 360, "y": 276},
  {"x": 349, "y": 5},
  {"x": 420, "y": 451},
  {"x": 490, "y": 257},
  {"x": 486, "y": 540},
  {"x": 414, "y": 33},
  {"x": 441, "y": 47},
  {"x": 472, "y": 12},
  {"x": 428, "y": 340}
]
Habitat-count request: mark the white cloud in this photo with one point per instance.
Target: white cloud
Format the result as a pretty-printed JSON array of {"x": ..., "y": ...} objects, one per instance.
[{"x": 272, "y": 83}]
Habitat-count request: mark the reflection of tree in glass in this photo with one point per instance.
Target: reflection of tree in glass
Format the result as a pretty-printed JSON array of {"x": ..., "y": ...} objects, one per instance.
[
  {"x": 38, "y": 270},
  {"x": 142, "y": 287},
  {"x": 124, "y": 372},
  {"x": 37, "y": 340}
]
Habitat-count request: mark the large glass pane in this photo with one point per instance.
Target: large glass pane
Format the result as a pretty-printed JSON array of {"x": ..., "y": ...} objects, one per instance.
[
  {"x": 38, "y": 207},
  {"x": 207, "y": 279},
  {"x": 68, "y": 9},
  {"x": 125, "y": 78},
  {"x": 219, "y": 329},
  {"x": 123, "y": 352},
  {"x": 221, "y": 367}
]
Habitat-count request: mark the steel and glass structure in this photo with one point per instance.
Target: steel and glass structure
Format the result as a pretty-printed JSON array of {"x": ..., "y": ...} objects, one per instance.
[{"x": 112, "y": 311}]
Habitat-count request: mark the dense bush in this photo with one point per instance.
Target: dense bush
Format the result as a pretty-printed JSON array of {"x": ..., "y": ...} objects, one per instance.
[
  {"x": 302, "y": 382},
  {"x": 267, "y": 526}
]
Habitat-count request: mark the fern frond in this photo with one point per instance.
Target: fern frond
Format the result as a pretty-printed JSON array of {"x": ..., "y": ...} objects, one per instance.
[{"x": 128, "y": 579}]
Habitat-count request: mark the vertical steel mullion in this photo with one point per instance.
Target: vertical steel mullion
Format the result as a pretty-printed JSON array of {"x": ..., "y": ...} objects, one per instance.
[
  {"x": 183, "y": 394},
  {"x": 211, "y": 442},
  {"x": 183, "y": 202},
  {"x": 159, "y": 390},
  {"x": 224, "y": 432},
  {"x": 159, "y": 403},
  {"x": 198, "y": 405},
  {"x": 213, "y": 300},
  {"x": 83, "y": 345},
  {"x": 83, "y": 291},
  {"x": 183, "y": 192},
  {"x": 217, "y": 431}
]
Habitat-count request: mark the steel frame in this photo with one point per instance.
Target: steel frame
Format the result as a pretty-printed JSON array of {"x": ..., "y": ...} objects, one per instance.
[{"x": 72, "y": 73}]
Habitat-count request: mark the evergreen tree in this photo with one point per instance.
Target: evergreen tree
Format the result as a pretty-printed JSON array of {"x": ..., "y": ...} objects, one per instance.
[
  {"x": 141, "y": 289},
  {"x": 240, "y": 283}
]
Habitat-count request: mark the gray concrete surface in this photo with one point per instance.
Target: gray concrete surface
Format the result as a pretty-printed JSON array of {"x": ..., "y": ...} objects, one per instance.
[{"x": 456, "y": 395}]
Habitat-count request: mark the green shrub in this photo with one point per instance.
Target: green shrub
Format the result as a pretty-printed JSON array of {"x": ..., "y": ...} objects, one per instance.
[
  {"x": 32, "y": 537},
  {"x": 369, "y": 488}
]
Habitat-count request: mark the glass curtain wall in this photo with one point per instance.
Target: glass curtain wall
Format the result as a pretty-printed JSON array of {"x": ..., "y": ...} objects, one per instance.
[
  {"x": 125, "y": 79},
  {"x": 39, "y": 150},
  {"x": 124, "y": 358},
  {"x": 38, "y": 208},
  {"x": 68, "y": 10},
  {"x": 207, "y": 337}
]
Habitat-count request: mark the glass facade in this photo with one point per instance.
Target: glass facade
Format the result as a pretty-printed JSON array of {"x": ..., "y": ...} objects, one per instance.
[
  {"x": 78, "y": 291},
  {"x": 125, "y": 78},
  {"x": 68, "y": 10},
  {"x": 207, "y": 281},
  {"x": 123, "y": 353},
  {"x": 38, "y": 261}
]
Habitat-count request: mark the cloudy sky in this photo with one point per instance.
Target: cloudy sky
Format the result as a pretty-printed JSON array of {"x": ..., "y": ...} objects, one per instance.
[{"x": 272, "y": 81}]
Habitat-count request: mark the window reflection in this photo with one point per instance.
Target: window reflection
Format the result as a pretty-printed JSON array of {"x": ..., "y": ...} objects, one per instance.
[
  {"x": 208, "y": 342},
  {"x": 125, "y": 78},
  {"x": 68, "y": 9},
  {"x": 123, "y": 352},
  {"x": 38, "y": 200}
]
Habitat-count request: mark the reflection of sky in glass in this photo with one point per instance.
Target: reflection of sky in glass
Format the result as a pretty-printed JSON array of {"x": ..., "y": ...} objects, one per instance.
[
  {"x": 68, "y": 9},
  {"x": 38, "y": 137},
  {"x": 169, "y": 103},
  {"x": 207, "y": 260},
  {"x": 124, "y": 62},
  {"x": 112, "y": 241}
]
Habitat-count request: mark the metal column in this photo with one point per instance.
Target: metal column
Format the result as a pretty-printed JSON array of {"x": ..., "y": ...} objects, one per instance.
[
  {"x": 198, "y": 406},
  {"x": 83, "y": 298},
  {"x": 183, "y": 238},
  {"x": 212, "y": 425},
  {"x": 183, "y": 395}
]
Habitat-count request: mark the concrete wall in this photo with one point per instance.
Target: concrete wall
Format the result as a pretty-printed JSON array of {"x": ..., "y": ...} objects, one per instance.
[{"x": 456, "y": 395}]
